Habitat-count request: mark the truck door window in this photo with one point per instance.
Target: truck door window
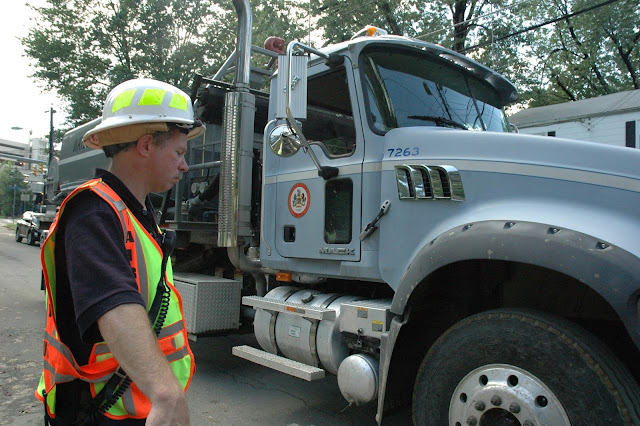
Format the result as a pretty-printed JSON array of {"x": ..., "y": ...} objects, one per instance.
[
  {"x": 338, "y": 211},
  {"x": 329, "y": 120}
]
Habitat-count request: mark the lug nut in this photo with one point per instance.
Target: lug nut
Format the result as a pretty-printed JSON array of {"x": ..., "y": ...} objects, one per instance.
[
  {"x": 514, "y": 408},
  {"x": 480, "y": 406},
  {"x": 496, "y": 400},
  {"x": 472, "y": 421}
]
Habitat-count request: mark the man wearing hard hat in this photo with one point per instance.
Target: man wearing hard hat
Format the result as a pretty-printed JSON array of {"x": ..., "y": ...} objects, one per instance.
[{"x": 115, "y": 346}]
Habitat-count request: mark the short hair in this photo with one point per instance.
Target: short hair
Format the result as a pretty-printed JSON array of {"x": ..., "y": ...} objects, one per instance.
[
  {"x": 111, "y": 150},
  {"x": 159, "y": 138}
]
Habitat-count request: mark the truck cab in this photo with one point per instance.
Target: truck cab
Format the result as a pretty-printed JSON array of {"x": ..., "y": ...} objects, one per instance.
[{"x": 356, "y": 113}]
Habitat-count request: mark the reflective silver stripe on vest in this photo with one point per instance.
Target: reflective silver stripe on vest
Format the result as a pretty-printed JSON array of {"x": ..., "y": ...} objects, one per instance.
[
  {"x": 57, "y": 378},
  {"x": 102, "y": 349},
  {"x": 143, "y": 278},
  {"x": 179, "y": 354},
  {"x": 142, "y": 272},
  {"x": 64, "y": 378},
  {"x": 129, "y": 404},
  {"x": 64, "y": 351},
  {"x": 171, "y": 329},
  {"x": 60, "y": 347}
]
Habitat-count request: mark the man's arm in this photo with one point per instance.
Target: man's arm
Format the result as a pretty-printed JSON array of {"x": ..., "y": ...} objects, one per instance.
[{"x": 127, "y": 331}]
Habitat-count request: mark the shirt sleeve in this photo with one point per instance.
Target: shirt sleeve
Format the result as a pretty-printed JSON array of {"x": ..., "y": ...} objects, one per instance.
[{"x": 99, "y": 270}]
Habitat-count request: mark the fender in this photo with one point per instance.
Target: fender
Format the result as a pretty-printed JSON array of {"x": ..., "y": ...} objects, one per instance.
[{"x": 611, "y": 271}]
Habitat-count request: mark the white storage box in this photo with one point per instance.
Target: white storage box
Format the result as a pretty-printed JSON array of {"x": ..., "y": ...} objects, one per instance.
[{"x": 210, "y": 303}]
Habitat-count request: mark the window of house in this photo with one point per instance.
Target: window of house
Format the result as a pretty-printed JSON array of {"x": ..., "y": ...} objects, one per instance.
[{"x": 630, "y": 134}]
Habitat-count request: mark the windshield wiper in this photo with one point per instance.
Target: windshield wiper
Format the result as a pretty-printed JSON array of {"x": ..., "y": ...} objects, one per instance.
[{"x": 440, "y": 121}]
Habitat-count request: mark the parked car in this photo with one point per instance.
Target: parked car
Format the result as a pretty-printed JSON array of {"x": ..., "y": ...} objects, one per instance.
[{"x": 31, "y": 227}]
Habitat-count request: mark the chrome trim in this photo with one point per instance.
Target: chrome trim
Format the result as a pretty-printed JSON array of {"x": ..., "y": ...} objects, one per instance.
[{"x": 420, "y": 182}]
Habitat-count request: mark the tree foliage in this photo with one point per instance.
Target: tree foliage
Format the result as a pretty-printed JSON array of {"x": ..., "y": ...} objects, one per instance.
[
  {"x": 83, "y": 48},
  {"x": 590, "y": 54},
  {"x": 10, "y": 177}
]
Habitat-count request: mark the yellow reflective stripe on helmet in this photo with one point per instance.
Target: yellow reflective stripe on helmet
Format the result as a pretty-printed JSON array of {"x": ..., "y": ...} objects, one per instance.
[
  {"x": 178, "y": 102},
  {"x": 152, "y": 97},
  {"x": 123, "y": 100}
]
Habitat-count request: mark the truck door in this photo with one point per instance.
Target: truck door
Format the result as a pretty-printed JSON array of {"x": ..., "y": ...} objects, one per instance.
[{"x": 317, "y": 218}]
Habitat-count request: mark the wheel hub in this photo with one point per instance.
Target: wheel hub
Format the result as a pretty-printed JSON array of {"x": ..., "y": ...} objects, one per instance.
[{"x": 504, "y": 395}]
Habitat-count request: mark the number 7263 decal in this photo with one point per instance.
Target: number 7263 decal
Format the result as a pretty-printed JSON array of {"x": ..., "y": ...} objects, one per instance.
[{"x": 403, "y": 152}]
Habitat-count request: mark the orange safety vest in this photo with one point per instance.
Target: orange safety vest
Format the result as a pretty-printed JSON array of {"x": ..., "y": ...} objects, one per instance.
[{"x": 60, "y": 365}]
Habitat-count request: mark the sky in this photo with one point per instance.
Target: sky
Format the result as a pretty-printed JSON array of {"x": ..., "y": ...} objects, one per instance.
[{"x": 24, "y": 102}]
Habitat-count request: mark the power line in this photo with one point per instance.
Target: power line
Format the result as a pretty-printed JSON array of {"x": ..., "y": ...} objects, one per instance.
[{"x": 534, "y": 27}]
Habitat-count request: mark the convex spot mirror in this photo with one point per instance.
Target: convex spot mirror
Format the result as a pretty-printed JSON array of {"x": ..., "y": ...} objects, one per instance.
[{"x": 283, "y": 141}]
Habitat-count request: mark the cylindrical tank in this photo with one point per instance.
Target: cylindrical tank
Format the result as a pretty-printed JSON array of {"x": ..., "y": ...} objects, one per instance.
[
  {"x": 358, "y": 378},
  {"x": 312, "y": 342},
  {"x": 262, "y": 327}
]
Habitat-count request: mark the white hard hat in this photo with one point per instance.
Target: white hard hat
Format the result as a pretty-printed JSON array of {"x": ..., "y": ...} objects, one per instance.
[{"x": 139, "y": 107}]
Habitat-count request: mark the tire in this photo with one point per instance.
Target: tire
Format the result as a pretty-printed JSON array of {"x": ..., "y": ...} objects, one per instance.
[
  {"x": 30, "y": 240},
  {"x": 18, "y": 236},
  {"x": 522, "y": 367}
]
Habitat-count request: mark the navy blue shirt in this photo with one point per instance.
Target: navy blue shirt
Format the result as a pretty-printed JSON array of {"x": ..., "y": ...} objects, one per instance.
[{"x": 93, "y": 274}]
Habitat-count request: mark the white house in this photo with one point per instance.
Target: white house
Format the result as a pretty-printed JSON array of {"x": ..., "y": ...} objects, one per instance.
[{"x": 612, "y": 119}]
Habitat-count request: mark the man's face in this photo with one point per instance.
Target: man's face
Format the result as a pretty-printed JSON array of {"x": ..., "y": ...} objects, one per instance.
[{"x": 168, "y": 162}]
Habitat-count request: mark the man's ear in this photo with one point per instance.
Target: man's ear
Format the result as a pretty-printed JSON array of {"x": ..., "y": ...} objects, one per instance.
[{"x": 144, "y": 145}]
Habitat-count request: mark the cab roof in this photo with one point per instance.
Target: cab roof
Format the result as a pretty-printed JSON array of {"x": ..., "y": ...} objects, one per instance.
[{"x": 507, "y": 91}]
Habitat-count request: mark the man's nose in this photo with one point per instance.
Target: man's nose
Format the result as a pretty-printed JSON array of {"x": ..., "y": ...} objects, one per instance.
[{"x": 184, "y": 167}]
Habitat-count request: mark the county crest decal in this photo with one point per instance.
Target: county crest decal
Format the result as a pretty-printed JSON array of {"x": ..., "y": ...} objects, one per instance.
[{"x": 299, "y": 200}]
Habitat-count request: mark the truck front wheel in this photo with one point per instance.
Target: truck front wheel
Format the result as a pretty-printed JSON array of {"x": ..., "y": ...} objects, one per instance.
[
  {"x": 18, "y": 236},
  {"x": 522, "y": 367}
]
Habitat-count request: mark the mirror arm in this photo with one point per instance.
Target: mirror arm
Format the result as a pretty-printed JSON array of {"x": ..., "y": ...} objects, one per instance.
[{"x": 326, "y": 172}]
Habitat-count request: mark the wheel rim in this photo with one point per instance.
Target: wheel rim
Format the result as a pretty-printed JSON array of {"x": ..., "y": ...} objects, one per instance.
[{"x": 504, "y": 395}]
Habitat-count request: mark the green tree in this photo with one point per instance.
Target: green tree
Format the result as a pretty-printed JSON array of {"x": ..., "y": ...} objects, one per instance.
[
  {"x": 584, "y": 54},
  {"x": 10, "y": 177},
  {"x": 83, "y": 48},
  {"x": 341, "y": 19}
]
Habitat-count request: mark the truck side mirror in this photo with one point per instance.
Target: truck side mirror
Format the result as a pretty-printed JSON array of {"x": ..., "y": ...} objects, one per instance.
[{"x": 283, "y": 141}]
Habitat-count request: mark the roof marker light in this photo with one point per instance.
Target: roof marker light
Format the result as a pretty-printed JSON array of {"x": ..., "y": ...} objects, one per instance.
[{"x": 370, "y": 31}]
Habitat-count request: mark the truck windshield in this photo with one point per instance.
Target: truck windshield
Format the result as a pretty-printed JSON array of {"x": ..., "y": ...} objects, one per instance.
[{"x": 405, "y": 89}]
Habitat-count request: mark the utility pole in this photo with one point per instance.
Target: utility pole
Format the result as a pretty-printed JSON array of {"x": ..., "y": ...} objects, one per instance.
[
  {"x": 51, "y": 111},
  {"x": 14, "y": 188}
]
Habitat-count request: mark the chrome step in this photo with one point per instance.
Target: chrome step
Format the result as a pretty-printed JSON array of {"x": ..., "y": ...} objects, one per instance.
[
  {"x": 289, "y": 308},
  {"x": 276, "y": 362}
]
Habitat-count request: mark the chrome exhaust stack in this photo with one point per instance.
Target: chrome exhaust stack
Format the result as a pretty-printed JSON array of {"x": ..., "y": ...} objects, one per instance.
[{"x": 236, "y": 153}]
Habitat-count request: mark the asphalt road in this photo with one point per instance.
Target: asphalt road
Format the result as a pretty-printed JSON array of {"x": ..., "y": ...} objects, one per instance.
[{"x": 225, "y": 390}]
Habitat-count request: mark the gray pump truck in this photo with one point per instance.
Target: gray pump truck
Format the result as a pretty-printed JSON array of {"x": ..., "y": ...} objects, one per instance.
[{"x": 372, "y": 216}]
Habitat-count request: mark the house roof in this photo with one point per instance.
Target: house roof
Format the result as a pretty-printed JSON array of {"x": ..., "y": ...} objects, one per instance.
[{"x": 570, "y": 111}]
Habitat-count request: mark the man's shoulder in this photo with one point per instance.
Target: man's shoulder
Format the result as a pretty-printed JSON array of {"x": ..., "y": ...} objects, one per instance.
[
  {"x": 87, "y": 205},
  {"x": 85, "y": 202}
]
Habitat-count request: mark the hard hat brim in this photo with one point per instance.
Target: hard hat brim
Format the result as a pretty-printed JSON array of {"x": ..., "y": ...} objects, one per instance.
[{"x": 101, "y": 136}]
